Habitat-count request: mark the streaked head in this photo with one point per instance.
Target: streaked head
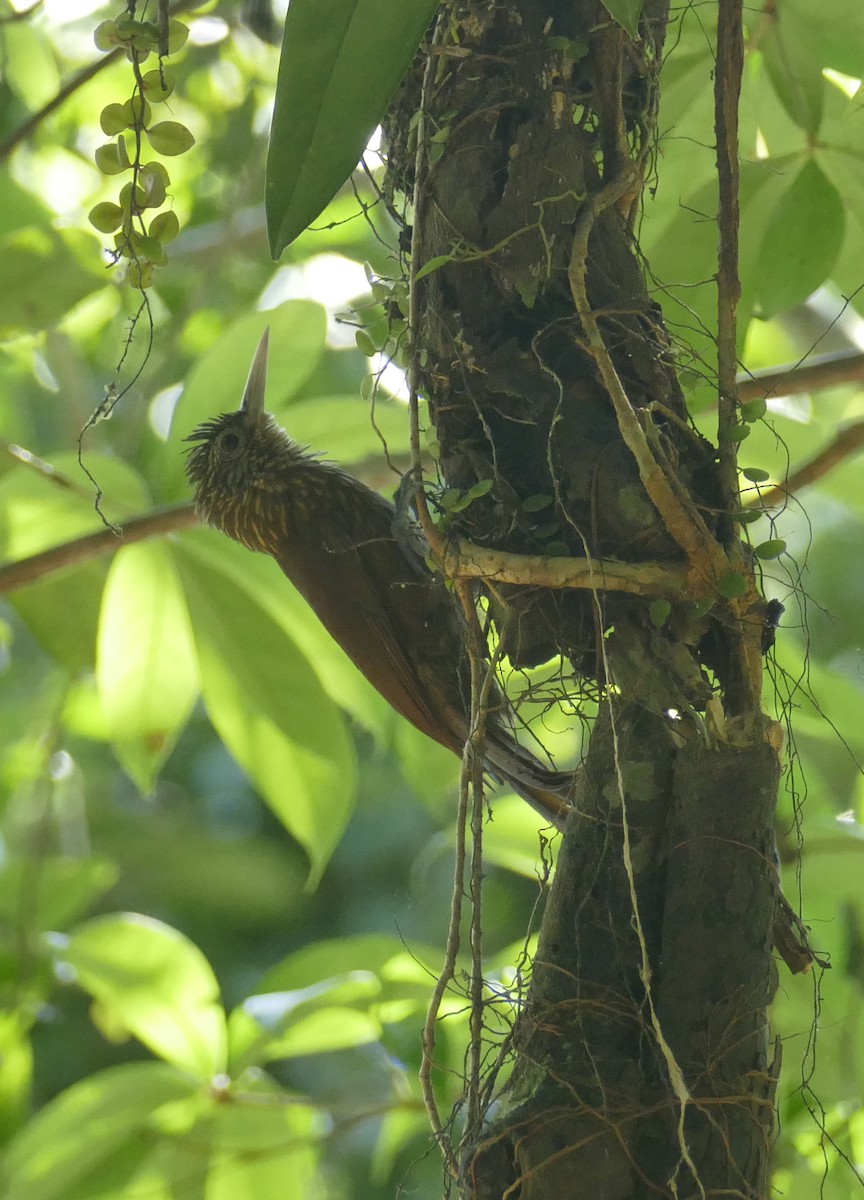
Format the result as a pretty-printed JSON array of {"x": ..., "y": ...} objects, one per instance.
[{"x": 239, "y": 455}]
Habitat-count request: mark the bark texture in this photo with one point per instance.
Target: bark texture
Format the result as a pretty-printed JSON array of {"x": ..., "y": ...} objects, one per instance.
[{"x": 642, "y": 1057}]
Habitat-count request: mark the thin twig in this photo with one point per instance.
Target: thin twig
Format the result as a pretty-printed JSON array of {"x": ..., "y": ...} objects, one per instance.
[{"x": 727, "y": 89}]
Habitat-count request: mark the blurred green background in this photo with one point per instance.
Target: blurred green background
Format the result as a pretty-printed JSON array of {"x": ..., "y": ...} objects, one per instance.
[{"x": 181, "y": 742}]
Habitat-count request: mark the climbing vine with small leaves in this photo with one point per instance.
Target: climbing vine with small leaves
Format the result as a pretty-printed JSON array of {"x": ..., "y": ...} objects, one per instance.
[{"x": 140, "y": 233}]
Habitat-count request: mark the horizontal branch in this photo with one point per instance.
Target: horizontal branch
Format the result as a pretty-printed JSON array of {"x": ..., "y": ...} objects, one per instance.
[
  {"x": 80, "y": 550},
  {"x": 823, "y": 371},
  {"x": 464, "y": 560}
]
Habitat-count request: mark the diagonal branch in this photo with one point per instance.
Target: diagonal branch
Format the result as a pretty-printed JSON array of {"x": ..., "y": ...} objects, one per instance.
[
  {"x": 821, "y": 371},
  {"x": 93, "y": 545}
]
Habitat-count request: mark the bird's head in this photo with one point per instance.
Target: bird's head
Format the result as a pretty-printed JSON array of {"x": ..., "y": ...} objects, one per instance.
[{"x": 240, "y": 458}]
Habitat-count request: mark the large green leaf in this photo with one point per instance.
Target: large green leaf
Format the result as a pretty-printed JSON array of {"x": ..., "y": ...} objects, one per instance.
[
  {"x": 35, "y": 513},
  {"x": 328, "y": 1016},
  {"x": 796, "y": 72},
  {"x": 802, "y": 241},
  {"x": 92, "y": 1139},
  {"x": 146, "y": 668},
  {"x": 151, "y": 981},
  {"x": 44, "y": 273},
  {"x": 298, "y": 330},
  {"x": 341, "y": 62},
  {"x": 61, "y": 888},
  {"x": 145, "y": 1131},
  {"x": 268, "y": 707},
  {"x": 342, "y": 427}
]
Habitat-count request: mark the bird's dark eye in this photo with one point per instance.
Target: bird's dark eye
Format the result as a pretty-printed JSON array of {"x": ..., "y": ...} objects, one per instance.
[{"x": 230, "y": 442}]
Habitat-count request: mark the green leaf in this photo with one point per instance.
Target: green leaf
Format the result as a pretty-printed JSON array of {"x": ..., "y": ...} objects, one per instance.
[
  {"x": 536, "y": 503},
  {"x": 170, "y": 138},
  {"x": 270, "y": 710},
  {"x": 773, "y": 548},
  {"x": 659, "y": 611},
  {"x": 64, "y": 888},
  {"x": 801, "y": 243},
  {"x": 112, "y": 157},
  {"x": 756, "y": 474},
  {"x": 113, "y": 119},
  {"x": 754, "y": 410},
  {"x": 787, "y": 44},
  {"x": 403, "y": 975},
  {"x": 146, "y": 668},
  {"x": 626, "y": 13},
  {"x": 43, "y": 273},
  {"x": 154, "y": 181},
  {"x": 365, "y": 344},
  {"x": 106, "y": 217},
  {"x": 732, "y": 585},
  {"x": 341, "y": 62},
  {"x": 434, "y": 264},
  {"x": 151, "y": 981},
  {"x": 164, "y": 227},
  {"x": 106, "y": 35},
  {"x": 312, "y": 1020},
  {"x": 178, "y": 34},
  {"x": 341, "y": 427},
  {"x": 298, "y": 330},
  {"x": 157, "y": 85},
  {"x": 90, "y": 1140}
]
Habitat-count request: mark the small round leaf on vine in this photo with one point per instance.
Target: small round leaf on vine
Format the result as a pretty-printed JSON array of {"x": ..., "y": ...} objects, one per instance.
[
  {"x": 770, "y": 549},
  {"x": 106, "y": 217},
  {"x": 170, "y": 138}
]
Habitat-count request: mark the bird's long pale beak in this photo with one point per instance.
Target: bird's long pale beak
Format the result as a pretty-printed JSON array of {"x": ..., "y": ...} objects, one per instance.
[{"x": 256, "y": 384}]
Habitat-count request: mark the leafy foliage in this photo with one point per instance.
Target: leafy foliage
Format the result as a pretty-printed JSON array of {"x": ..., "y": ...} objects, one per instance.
[{"x": 246, "y": 1036}]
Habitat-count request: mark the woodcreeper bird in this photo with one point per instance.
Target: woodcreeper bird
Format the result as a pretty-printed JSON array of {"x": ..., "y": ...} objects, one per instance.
[{"x": 339, "y": 543}]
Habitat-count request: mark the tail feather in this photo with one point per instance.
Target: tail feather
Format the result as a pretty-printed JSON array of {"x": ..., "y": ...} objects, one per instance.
[{"x": 547, "y": 791}]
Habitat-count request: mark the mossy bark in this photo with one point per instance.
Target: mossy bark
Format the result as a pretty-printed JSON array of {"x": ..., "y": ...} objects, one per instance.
[{"x": 643, "y": 1053}]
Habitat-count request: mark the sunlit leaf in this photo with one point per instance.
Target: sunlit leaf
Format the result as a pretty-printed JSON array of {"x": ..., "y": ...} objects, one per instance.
[
  {"x": 348, "y": 429},
  {"x": 151, "y": 981},
  {"x": 43, "y": 273},
  {"x": 146, "y": 667},
  {"x": 92, "y": 1139},
  {"x": 327, "y": 1016},
  {"x": 61, "y": 889},
  {"x": 802, "y": 241},
  {"x": 786, "y": 42},
  {"x": 270, "y": 710},
  {"x": 341, "y": 62}
]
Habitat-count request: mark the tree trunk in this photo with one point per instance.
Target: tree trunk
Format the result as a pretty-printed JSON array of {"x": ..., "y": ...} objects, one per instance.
[{"x": 642, "y": 1055}]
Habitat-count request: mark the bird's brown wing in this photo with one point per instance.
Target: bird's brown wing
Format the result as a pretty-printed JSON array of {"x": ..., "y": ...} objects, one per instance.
[{"x": 358, "y": 589}]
